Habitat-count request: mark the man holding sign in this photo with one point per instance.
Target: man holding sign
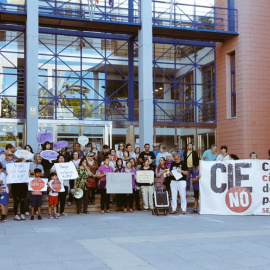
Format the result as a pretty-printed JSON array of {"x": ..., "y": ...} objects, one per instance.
[{"x": 178, "y": 171}]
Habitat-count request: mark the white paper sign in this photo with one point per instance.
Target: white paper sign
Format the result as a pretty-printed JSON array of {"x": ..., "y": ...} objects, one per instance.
[
  {"x": 119, "y": 183},
  {"x": 145, "y": 177},
  {"x": 37, "y": 184},
  {"x": 66, "y": 170},
  {"x": 83, "y": 140},
  {"x": 177, "y": 175},
  {"x": 23, "y": 154},
  {"x": 18, "y": 172}
]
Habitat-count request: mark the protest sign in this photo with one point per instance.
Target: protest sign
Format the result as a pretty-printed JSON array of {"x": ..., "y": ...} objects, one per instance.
[
  {"x": 119, "y": 183},
  {"x": 23, "y": 154},
  {"x": 43, "y": 137},
  {"x": 37, "y": 184},
  {"x": 60, "y": 145},
  {"x": 235, "y": 187},
  {"x": 145, "y": 177},
  {"x": 17, "y": 172},
  {"x": 66, "y": 170},
  {"x": 57, "y": 185},
  {"x": 49, "y": 155},
  {"x": 83, "y": 140}
]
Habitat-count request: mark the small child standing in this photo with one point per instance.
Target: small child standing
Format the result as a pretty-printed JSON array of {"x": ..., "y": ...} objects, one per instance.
[
  {"x": 195, "y": 181},
  {"x": 36, "y": 199},
  {"x": 3, "y": 194},
  {"x": 53, "y": 196}
]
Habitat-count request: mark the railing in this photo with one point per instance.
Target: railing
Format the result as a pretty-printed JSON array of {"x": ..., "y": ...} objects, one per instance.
[
  {"x": 13, "y": 6},
  {"x": 124, "y": 11},
  {"x": 195, "y": 17}
]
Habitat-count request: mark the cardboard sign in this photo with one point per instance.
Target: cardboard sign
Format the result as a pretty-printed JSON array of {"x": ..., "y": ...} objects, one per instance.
[
  {"x": 18, "y": 172},
  {"x": 83, "y": 140},
  {"x": 66, "y": 170},
  {"x": 49, "y": 155},
  {"x": 57, "y": 185},
  {"x": 119, "y": 183},
  {"x": 45, "y": 136},
  {"x": 23, "y": 154},
  {"x": 145, "y": 177},
  {"x": 37, "y": 184},
  {"x": 60, "y": 145}
]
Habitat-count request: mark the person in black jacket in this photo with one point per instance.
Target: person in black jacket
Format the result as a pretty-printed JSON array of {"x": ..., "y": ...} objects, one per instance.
[{"x": 192, "y": 160}]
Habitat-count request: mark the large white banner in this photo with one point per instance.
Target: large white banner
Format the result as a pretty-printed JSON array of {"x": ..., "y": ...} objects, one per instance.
[
  {"x": 17, "y": 172},
  {"x": 235, "y": 187},
  {"x": 119, "y": 183}
]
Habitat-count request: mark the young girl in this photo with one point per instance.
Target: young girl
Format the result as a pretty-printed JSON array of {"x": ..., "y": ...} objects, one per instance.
[
  {"x": 147, "y": 189},
  {"x": 53, "y": 196},
  {"x": 120, "y": 151},
  {"x": 3, "y": 194},
  {"x": 137, "y": 188},
  {"x": 125, "y": 157}
]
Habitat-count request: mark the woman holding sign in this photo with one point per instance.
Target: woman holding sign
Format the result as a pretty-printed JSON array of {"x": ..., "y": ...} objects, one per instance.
[
  {"x": 101, "y": 175},
  {"x": 62, "y": 195},
  {"x": 47, "y": 165}
]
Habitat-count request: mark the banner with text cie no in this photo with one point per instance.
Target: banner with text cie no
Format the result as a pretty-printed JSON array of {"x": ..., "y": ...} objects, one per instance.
[{"x": 235, "y": 187}]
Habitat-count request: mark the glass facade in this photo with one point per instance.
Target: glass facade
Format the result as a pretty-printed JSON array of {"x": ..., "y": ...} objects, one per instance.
[{"x": 12, "y": 75}]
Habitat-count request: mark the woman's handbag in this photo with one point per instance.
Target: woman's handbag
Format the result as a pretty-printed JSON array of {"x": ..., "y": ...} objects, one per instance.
[{"x": 91, "y": 182}]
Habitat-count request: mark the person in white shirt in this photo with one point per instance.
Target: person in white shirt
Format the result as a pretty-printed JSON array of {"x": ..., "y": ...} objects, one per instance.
[{"x": 224, "y": 154}]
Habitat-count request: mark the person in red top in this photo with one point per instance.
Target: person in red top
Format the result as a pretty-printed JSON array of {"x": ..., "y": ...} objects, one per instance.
[{"x": 36, "y": 199}]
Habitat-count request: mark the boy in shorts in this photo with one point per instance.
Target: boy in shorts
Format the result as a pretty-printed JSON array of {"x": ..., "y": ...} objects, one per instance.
[
  {"x": 36, "y": 199},
  {"x": 53, "y": 196},
  {"x": 3, "y": 194},
  {"x": 195, "y": 182}
]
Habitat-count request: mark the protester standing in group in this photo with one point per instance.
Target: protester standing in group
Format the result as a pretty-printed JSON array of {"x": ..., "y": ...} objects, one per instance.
[
  {"x": 156, "y": 151},
  {"x": 161, "y": 171},
  {"x": 4, "y": 191},
  {"x": 147, "y": 154},
  {"x": 195, "y": 180},
  {"x": 46, "y": 164},
  {"x": 101, "y": 175},
  {"x": 178, "y": 185},
  {"x": 224, "y": 154},
  {"x": 192, "y": 160},
  {"x": 210, "y": 154}
]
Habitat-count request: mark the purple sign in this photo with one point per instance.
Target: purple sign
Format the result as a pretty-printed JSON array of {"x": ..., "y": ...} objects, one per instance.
[
  {"x": 49, "y": 155},
  {"x": 45, "y": 136},
  {"x": 60, "y": 145}
]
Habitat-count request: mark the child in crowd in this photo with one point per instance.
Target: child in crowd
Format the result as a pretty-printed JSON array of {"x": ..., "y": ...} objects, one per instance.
[
  {"x": 53, "y": 196},
  {"x": 36, "y": 199},
  {"x": 195, "y": 180},
  {"x": 3, "y": 194}
]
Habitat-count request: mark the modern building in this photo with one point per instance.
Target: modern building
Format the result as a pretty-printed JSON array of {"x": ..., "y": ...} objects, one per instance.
[{"x": 136, "y": 71}]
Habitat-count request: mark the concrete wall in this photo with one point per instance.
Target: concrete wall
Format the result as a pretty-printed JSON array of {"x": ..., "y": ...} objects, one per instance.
[{"x": 250, "y": 130}]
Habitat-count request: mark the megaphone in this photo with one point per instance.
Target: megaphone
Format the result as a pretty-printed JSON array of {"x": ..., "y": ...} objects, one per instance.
[{"x": 78, "y": 193}]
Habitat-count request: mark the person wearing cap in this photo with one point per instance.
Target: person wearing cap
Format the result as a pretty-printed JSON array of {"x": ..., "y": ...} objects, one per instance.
[
  {"x": 178, "y": 185},
  {"x": 176, "y": 149}
]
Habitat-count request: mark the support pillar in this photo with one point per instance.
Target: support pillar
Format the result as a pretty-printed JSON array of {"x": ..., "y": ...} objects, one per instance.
[
  {"x": 31, "y": 63},
  {"x": 146, "y": 75}
]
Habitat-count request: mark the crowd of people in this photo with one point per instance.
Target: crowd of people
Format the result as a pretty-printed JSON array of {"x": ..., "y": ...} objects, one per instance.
[{"x": 92, "y": 167}]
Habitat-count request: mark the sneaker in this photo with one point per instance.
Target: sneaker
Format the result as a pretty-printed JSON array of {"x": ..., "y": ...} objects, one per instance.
[
  {"x": 102, "y": 211},
  {"x": 85, "y": 212},
  {"x": 17, "y": 218},
  {"x": 108, "y": 211},
  {"x": 184, "y": 212},
  {"x": 195, "y": 211},
  {"x": 39, "y": 217},
  {"x": 3, "y": 218},
  {"x": 56, "y": 216},
  {"x": 23, "y": 217},
  {"x": 173, "y": 213},
  {"x": 125, "y": 210},
  {"x": 50, "y": 216},
  {"x": 27, "y": 213},
  {"x": 32, "y": 218},
  {"x": 69, "y": 204},
  {"x": 63, "y": 214}
]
